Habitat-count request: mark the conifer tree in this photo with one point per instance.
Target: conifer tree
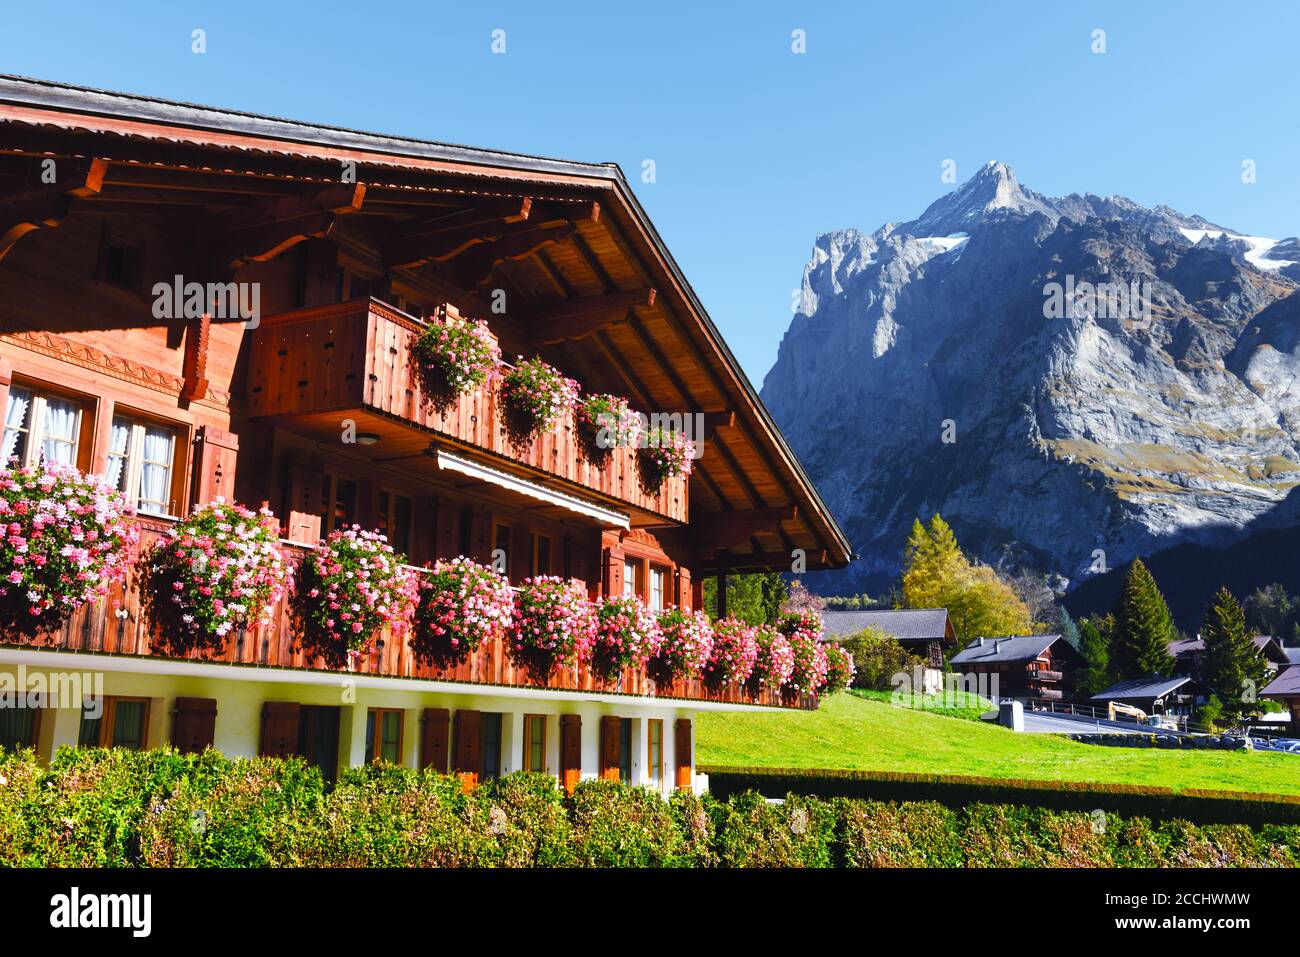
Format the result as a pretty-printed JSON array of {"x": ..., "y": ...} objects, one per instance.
[
  {"x": 1143, "y": 628},
  {"x": 1094, "y": 645},
  {"x": 1232, "y": 667}
]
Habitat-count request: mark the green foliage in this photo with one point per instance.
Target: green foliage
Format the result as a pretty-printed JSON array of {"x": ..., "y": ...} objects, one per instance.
[
  {"x": 1143, "y": 628},
  {"x": 937, "y": 575},
  {"x": 163, "y": 809},
  {"x": 878, "y": 657},
  {"x": 1271, "y": 611},
  {"x": 1232, "y": 667},
  {"x": 1094, "y": 645},
  {"x": 956, "y": 703},
  {"x": 853, "y": 602},
  {"x": 754, "y": 599},
  {"x": 1210, "y": 713},
  {"x": 1068, "y": 629}
]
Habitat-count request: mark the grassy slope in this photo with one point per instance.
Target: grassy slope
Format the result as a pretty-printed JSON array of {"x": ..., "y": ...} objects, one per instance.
[{"x": 850, "y": 732}]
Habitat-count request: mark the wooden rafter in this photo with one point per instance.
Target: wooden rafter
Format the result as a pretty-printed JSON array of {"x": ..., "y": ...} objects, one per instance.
[
  {"x": 474, "y": 266},
  {"x": 716, "y": 531},
  {"x": 579, "y": 318},
  {"x": 47, "y": 206},
  {"x": 283, "y": 223}
]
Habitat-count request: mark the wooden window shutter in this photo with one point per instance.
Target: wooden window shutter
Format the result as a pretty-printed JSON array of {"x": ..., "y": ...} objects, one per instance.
[
  {"x": 302, "y": 514},
  {"x": 465, "y": 758},
  {"x": 194, "y": 724},
  {"x": 683, "y": 749},
  {"x": 433, "y": 746},
  {"x": 570, "y": 750},
  {"x": 214, "y": 472},
  {"x": 520, "y": 559},
  {"x": 279, "y": 729},
  {"x": 684, "y": 597},
  {"x": 446, "y": 530},
  {"x": 613, "y": 561},
  {"x": 609, "y": 747}
]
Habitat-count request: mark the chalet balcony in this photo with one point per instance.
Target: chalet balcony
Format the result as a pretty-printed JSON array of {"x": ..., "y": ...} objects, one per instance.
[
  {"x": 116, "y": 625},
  {"x": 1049, "y": 694},
  {"x": 311, "y": 369},
  {"x": 1045, "y": 675}
]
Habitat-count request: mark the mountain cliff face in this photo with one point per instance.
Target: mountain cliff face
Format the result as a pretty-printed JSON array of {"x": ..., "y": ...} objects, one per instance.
[{"x": 1070, "y": 381}]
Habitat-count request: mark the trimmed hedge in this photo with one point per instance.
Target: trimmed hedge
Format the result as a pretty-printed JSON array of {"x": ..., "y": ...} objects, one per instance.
[
  {"x": 1200, "y": 805},
  {"x": 163, "y": 809}
]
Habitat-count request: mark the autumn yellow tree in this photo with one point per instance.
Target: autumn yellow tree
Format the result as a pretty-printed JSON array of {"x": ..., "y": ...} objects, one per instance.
[{"x": 936, "y": 574}]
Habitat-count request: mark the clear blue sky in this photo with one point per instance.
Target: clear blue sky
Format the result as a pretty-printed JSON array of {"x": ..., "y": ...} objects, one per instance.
[{"x": 757, "y": 149}]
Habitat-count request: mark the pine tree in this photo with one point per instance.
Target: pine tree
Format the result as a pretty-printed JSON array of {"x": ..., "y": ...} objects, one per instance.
[
  {"x": 1140, "y": 645},
  {"x": 1232, "y": 667},
  {"x": 1069, "y": 630},
  {"x": 1094, "y": 645}
]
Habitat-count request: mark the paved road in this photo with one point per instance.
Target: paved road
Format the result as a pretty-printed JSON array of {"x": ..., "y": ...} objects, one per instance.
[{"x": 1043, "y": 722}]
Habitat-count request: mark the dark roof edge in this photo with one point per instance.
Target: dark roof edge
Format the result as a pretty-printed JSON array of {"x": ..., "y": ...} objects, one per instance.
[{"x": 28, "y": 91}]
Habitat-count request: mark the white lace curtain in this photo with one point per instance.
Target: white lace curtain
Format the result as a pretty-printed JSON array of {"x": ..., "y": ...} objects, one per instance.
[{"x": 20, "y": 400}]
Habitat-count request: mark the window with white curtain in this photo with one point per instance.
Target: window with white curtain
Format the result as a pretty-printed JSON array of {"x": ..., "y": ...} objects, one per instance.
[
  {"x": 40, "y": 427},
  {"x": 657, "y": 578},
  {"x": 140, "y": 461}
]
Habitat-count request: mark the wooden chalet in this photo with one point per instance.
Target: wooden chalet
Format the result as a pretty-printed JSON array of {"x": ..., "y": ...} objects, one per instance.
[
  {"x": 1032, "y": 668},
  {"x": 345, "y": 242}
]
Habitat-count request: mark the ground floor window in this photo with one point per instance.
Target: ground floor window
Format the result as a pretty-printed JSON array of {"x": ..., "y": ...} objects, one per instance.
[
  {"x": 535, "y": 743},
  {"x": 384, "y": 735},
  {"x": 490, "y": 746},
  {"x": 625, "y": 749},
  {"x": 121, "y": 723},
  {"x": 18, "y": 728},
  {"x": 655, "y": 750},
  {"x": 318, "y": 739}
]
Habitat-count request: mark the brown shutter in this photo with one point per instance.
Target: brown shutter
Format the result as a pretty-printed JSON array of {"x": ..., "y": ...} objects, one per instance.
[
  {"x": 684, "y": 597},
  {"x": 683, "y": 749},
  {"x": 612, "y": 559},
  {"x": 446, "y": 534},
  {"x": 465, "y": 758},
  {"x": 480, "y": 536},
  {"x": 214, "y": 472},
  {"x": 520, "y": 559},
  {"x": 433, "y": 746},
  {"x": 194, "y": 724},
  {"x": 279, "y": 729},
  {"x": 609, "y": 747},
  {"x": 570, "y": 750},
  {"x": 303, "y": 505}
]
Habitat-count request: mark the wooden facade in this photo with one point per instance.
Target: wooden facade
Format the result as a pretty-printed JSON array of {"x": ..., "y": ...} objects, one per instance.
[{"x": 347, "y": 242}]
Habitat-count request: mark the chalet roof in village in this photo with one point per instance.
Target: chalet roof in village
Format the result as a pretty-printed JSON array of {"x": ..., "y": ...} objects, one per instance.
[
  {"x": 904, "y": 624},
  {"x": 1285, "y": 685},
  {"x": 1141, "y": 688},
  {"x": 999, "y": 650},
  {"x": 1269, "y": 646},
  {"x": 599, "y": 291}
]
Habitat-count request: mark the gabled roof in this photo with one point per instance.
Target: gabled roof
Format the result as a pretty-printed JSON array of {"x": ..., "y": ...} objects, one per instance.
[
  {"x": 995, "y": 650},
  {"x": 1285, "y": 685},
  {"x": 904, "y": 624},
  {"x": 1269, "y": 646},
  {"x": 1141, "y": 688}
]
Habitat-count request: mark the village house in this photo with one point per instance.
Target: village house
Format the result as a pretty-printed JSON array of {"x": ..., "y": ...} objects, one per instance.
[
  {"x": 199, "y": 303},
  {"x": 1175, "y": 695},
  {"x": 1286, "y": 689},
  {"x": 1028, "y": 668},
  {"x": 926, "y": 633}
]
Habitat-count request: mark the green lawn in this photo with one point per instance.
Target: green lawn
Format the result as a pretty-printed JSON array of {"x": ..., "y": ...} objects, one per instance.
[{"x": 856, "y": 733}]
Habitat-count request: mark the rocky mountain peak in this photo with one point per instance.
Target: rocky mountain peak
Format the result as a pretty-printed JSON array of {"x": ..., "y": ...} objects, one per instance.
[{"x": 993, "y": 187}]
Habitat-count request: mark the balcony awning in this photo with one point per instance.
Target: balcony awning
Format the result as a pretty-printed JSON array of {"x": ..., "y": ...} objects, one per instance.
[{"x": 522, "y": 486}]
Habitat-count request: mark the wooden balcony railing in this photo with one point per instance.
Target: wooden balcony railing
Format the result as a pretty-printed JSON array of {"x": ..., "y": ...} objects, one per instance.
[
  {"x": 1046, "y": 675},
  {"x": 117, "y": 625},
  {"x": 357, "y": 356}
]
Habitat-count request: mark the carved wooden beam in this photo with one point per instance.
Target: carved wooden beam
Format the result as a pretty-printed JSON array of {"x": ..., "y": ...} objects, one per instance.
[
  {"x": 579, "y": 318},
  {"x": 195, "y": 364},
  {"x": 290, "y": 220},
  {"x": 474, "y": 266},
  {"x": 46, "y": 207},
  {"x": 761, "y": 561},
  {"x": 716, "y": 531},
  {"x": 426, "y": 242}
]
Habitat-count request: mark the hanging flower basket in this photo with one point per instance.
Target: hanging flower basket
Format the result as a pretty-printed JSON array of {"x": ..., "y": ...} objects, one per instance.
[
  {"x": 66, "y": 540},
  {"x": 350, "y": 586},
  {"x": 453, "y": 357},
  {"x": 462, "y": 604},
  {"x": 553, "y": 625},
  {"x": 839, "y": 668},
  {"x": 220, "y": 569},
  {"x": 735, "y": 651},
  {"x": 604, "y": 422},
  {"x": 774, "y": 661},
  {"x": 663, "y": 454},
  {"x": 627, "y": 635},
  {"x": 535, "y": 398},
  {"x": 809, "y": 672},
  {"x": 685, "y": 647}
]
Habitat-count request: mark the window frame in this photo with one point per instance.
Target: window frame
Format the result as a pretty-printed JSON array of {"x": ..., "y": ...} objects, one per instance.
[
  {"x": 108, "y": 721},
  {"x": 654, "y": 763},
  {"x": 664, "y": 575},
  {"x": 388, "y": 513},
  {"x": 375, "y": 743},
  {"x": 41, "y": 392},
  {"x": 638, "y": 584},
  {"x": 133, "y": 466},
  {"x": 330, "y": 499},
  {"x": 530, "y": 721},
  {"x": 535, "y": 540},
  {"x": 34, "y": 738}
]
